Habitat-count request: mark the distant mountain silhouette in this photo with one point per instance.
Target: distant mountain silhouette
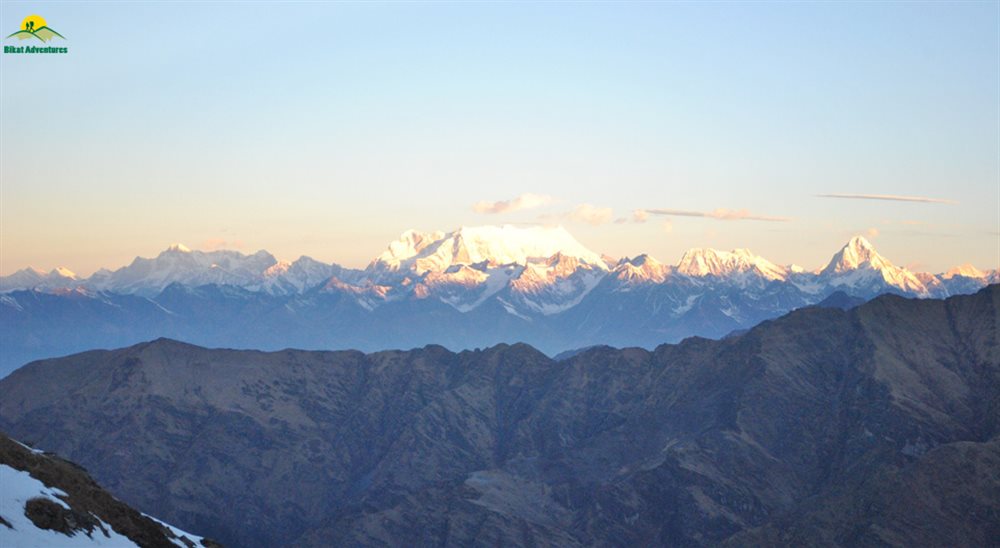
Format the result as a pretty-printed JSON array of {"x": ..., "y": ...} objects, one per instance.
[{"x": 841, "y": 300}]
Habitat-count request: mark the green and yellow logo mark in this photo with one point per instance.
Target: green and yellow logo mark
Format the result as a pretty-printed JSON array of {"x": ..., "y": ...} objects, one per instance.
[{"x": 34, "y": 26}]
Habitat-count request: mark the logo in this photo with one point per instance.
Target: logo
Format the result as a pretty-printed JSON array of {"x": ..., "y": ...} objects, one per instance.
[{"x": 35, "y": 27}]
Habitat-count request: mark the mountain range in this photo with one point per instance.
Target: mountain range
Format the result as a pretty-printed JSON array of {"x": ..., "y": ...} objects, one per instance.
[
  {"x": 472, "y": 287},
  {"x": 873, "y": 426}
]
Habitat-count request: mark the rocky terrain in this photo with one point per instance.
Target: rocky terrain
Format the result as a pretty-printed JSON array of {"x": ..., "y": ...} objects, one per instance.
[
  {"x": 473, "y": 287},
  {"x": 877, "y": 425},
  {"x": 47, "y": 501}
]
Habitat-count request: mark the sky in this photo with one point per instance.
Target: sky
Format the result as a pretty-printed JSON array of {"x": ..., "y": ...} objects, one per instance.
[{"x": 327, "y": 129}]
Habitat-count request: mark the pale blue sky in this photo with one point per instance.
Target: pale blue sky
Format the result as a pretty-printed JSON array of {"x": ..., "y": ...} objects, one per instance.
[{"x": 327, "y": 129}]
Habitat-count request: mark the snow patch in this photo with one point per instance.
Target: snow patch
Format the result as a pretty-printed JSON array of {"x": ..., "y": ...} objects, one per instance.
[{"x": 18, "y": 488}]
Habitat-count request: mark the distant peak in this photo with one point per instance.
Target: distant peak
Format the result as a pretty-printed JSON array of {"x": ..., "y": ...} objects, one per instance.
[
  {"x": 179, "y": 247},
  {"x": 64, "y": 272},
  {"x": 860, "y": 243},
  {"x": 857, "y": 253},
  {"x": 494, "y": 245},
  {"x": 706, "y": 261},
  {"x": 279, "y": 268},
  {"x": 966, "y": 271},
  {"x": 858, "y": 263},
  {"x": 641, "y": 269}
]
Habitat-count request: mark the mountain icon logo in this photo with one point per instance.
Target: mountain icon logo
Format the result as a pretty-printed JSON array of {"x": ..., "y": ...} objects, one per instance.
[{"x": 34, "y": 26}]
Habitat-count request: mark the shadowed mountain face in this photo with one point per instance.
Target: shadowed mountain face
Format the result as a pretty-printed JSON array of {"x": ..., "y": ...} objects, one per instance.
[{"x": 869, "y": 426}]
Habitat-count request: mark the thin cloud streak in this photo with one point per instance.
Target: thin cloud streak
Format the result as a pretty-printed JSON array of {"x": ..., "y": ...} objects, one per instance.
[
  {"x": 524, "y": 201},
  {"x": 720, "y": 214},
  {"x": 889, "y": 197}
]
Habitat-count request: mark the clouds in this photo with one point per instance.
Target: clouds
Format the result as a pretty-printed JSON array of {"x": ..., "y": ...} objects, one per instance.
[
  {"x": 582, "y": 213},
  {"x": 720, "y": 214},
  {"x": 524, "y": 201},
  {"x": 889, "y": 197},
  {"x": 596, "y": 215},
  {"x": 592, "y": 215}
]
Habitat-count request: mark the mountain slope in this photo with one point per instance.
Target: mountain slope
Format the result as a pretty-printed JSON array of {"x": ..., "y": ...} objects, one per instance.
[
  {"x": 869, "y": 426},
  {"x": 47, "y": 501}
]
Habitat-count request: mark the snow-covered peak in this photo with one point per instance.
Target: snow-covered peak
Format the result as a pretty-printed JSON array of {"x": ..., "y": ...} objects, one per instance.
[
  {"x": 179, "y": 264},
  {"x": 304, "y": 273},
  {"x": 641, "y": 269},
  {"x": 179, "y": 248},
  {"x": 31, "y": 278},
  {"x": 410, "y": 244},
  {"x": 857, "y": 253},
  {"x": 277, "y": 269},
  {"x": 858, "y": 265},
  {"x": 712, "y": 262},
  {"x": 63, "y": 272},
  {"x": 966, "y": 271},
  {"x": 492, "y": 245}
]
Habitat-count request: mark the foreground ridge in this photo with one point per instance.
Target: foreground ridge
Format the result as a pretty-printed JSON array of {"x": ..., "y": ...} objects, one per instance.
[{"x": 48, "y": 501}]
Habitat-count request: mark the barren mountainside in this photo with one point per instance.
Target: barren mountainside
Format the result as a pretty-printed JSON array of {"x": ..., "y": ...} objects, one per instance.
[{"x": 863, "y": 427}]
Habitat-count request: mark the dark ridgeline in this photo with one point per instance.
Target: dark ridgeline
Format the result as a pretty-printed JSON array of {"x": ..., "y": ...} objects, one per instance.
[{"x": 871, "y": 426}]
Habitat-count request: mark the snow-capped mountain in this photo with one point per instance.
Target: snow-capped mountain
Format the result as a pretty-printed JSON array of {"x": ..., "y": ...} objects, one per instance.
[
  {"x": 178, "y": 264},
  {"x": 858, "y": 267},
  {"x": 641, "y": 270},
  {"x": 490, "y": 246},
  {"x": 965, "y": 279},
  {"x": 553, "y": 285},
  {"x": 544, "y": 269},
  {"x": 57, "y": 278},
  {"x": 738, "y": 265},
  {"x": 465, "y": 288},
  {"x": 286, "y": 278},
  {"x": 966, "y": 271},
  {"x": 259, "y": 271},
  {"x": 466, "y": 267}
]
